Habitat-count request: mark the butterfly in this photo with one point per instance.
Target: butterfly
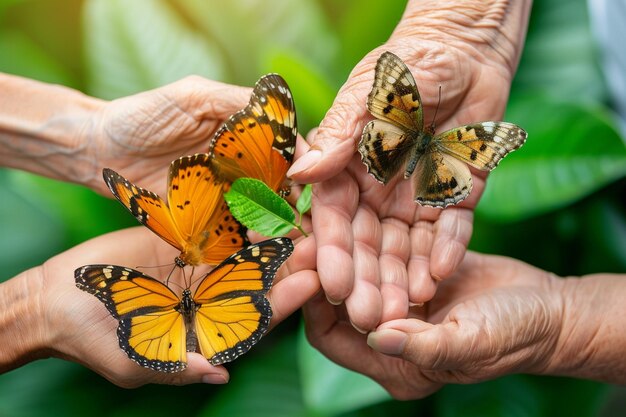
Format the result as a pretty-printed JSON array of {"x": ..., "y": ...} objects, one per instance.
[
  {"x": 397, "y": 138},
  {"x": 223, "y": 318},
  {"x": 197, "y": 220},
  {"x": 258, "y": 141}
]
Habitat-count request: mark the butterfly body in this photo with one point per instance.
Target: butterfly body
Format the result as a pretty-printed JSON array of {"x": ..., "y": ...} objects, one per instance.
[
  {"x": 258, "y": 141},
  {"x": 222, "y": 318},
  {"x": 397, "y": 138}
]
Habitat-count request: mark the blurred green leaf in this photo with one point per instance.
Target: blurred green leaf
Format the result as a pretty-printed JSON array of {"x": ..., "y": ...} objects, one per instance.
[
  {"x": 31, "y": 233},
  {"x": 559, "y": 58},
  {"x": 329, "y": 389},
  {"x": 304, "y": 201},
  {"x": 266, "y": 385},
  {"x": 259, "y": 208},
  {"x": 313, "y": 92},
  {"x": 20, "y": 56},
  {"x": 246, "y": 30},
  {"x": 569, "y": 155},
  {"x": 142, "y": 44},
  {"x": 84, "y": 213},
  {"x": 365, "y": 26},
  {"x": 33, "y": 390},
  {"x": 514, "y": 396}
]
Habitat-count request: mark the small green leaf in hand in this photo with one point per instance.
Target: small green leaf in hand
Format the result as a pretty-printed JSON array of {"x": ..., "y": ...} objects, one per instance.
[{"x": 259, "y": 208}]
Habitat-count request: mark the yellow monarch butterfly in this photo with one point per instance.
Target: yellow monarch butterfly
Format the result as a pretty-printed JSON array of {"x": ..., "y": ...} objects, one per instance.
[
  {"x": 258, "y": 141},
  {"x": 197, "y": 220},
  {"x": 223, "y": 317}
]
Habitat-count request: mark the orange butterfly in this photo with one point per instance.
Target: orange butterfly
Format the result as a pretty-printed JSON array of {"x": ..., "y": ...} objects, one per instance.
[
  {"x": 258, "y": 141},
  {"x": 197, "y": 220},
  {"x": 225, "y": 315}
]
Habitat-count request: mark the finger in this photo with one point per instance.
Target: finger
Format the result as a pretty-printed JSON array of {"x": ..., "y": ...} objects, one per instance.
[
  {"x": 334, "y": 204},
  {"x": 202, "y": 98},
  {"x": 337, "y": 340},
  {"x": 364, "y": 304},
  {"x": 394, "y": 256},
  {"x": 335, "y": 140},
  {"x": 421, "y": 285},
  {"x": 441, "y": 347},
  {"x": 128, "y": 374},
  {"x": 452, "y": 233},
  {"x": 290, "y": 293}
]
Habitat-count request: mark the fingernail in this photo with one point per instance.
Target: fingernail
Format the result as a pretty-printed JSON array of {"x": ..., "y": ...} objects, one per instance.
[
  {"x": 436, "y": 277},
  {"x": 388, "y": 341},
  {"x": 333, "y": 302},
  {"x": 305, "y": 162},
  {"x": 357, "y": 328},
  {"x": 214, "y": 379},
  {"x": 412, "y": 304}
]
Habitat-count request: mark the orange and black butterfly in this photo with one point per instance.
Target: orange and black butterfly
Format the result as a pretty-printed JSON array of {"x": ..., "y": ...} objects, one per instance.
[
  {"x": 222, "y": 318},
  {"x": 197, "y": 220},
  {"x": 260, "y": 140}
]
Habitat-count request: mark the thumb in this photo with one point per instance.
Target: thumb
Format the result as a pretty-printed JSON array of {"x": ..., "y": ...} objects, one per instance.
[
  {"x": 429, "y": 347},
  {"x": 336, "y": 138},
  {"x": 198, "y": 370}
]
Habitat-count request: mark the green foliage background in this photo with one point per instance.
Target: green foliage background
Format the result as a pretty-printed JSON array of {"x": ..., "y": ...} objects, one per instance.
[{"x": 557, "y": 203}]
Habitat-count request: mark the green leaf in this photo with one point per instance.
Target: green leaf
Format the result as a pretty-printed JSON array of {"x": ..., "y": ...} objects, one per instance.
[
  {"x": 304, "y": 201},
  {"x": 21, "y": 56},
  {"x": 329, "y": 389},
  {"x": 247, "y": 30},
  {"x": 313, "y": 90},
  {"x": 259, "y": 208},
  {"x": 262, "y": 385},
  {"x": 559, "y": 57},
  {"x": 568, "y": 155},
  {"x": 142, "y": 44},
  {"x": 31, "y": 233},
  {"x": 521, "y": 396}
]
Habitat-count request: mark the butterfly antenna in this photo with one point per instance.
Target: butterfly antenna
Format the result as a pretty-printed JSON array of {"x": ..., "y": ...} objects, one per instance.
[
  {"x": 432, "y": 125},
  {"x": 167, "y": 280}
]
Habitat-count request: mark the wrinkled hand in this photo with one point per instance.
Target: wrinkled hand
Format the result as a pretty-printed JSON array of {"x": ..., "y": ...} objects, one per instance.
[
  {"x": 79, "y": 328},
  {"x": 140, "y": 135},
  {"x": 493, "y": 317},
  {"x": 377, "y": 249}
]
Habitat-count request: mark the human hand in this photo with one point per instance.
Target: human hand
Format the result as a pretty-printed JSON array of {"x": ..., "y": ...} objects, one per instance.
[
  {"x": 139, "y": 135},
  {"x": 378, "y": 250},
  {"x": 493, "y": 317},
  {"x": 74, "y": 325}
]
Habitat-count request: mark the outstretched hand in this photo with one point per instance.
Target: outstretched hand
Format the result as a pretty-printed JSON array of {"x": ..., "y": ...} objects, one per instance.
[
  {"x": 378, "y": 250},
  {"x": 79, "y": 328},
  {"x": 493, "y": 317},
  {"x": 140, "y": 135}
]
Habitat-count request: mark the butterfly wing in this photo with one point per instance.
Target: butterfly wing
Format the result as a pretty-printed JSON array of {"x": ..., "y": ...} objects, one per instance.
[
  {"x": 233, "y": 312},
  {"x": 384, "y": 149},
  {"x": 441, "y": 180},
  {"x": 145, "y": 206},
  {"x": 208, "y": 230},
  {"x": 258, "y": 141},
  {"x": 482, "y": 145},
  {"x": 394, "y": 96},
  {"x": 151, "y": 330}
]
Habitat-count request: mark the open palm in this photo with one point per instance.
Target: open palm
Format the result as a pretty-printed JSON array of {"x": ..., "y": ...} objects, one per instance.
[{"x": 377, "y": 249}]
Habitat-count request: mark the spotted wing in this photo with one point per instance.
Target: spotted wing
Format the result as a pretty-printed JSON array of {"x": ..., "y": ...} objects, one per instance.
[
  {"x": 394, "y": 96},
  {"x": 441, "y": 180},
  {"x": 258, "y": 141},
  {"x": 233, "y": 312},
  {"x": 385, "y": 149},
  {"x": 151, "y": 331},
  {"x": 145, "y": 206},
  {"x": 208, "y": 230},
  {"x": 482, "y": 145}
]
